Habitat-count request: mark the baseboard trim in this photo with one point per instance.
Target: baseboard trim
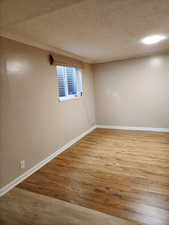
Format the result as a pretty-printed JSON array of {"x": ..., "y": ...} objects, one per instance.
[
  {"x": 134, "y": 128},
  {"x": 32, "y": 170}
]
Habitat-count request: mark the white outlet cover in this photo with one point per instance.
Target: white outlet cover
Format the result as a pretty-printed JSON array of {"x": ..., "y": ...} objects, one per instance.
[{"x": 22, "y": 164}]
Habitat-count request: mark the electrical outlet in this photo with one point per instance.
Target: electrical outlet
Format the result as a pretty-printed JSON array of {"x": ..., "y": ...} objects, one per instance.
[{"x": 22, "y": 164}]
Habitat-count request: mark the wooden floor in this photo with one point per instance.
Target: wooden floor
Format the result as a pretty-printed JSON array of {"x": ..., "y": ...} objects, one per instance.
[
  {"x": 121, "y": 173},
  {"x": 21, "y": 207}
]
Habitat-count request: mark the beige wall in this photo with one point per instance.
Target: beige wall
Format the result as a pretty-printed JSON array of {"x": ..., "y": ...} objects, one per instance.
[
  {"x": 133, "y": 92},
  {"x": 33, "y": 122}
]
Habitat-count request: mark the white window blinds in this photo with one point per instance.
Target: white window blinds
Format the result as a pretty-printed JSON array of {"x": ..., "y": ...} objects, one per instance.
[{"x": 69, "y": 81}]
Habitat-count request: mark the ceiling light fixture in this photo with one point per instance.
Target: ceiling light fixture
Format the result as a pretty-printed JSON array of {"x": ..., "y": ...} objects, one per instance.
[{"x": 153, "y": 39}]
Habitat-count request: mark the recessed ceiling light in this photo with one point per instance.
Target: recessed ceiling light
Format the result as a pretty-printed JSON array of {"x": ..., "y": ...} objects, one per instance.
[{"x": 153, "y": 39}]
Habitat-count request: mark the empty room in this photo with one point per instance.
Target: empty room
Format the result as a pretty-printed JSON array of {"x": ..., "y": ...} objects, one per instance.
[{"x": 84, "y": 112}]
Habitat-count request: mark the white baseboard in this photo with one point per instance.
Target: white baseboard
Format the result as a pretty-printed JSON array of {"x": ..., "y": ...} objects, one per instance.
[
  {"x": 134, "y": 128},
  {"x": 32, "y": 170}
]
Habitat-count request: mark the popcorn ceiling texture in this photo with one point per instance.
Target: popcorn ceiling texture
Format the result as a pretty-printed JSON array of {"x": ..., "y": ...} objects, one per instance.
[{"x": 95, "y": 30}]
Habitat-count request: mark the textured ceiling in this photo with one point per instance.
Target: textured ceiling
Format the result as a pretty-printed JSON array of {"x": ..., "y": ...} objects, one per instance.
[{"x": 94, "y": 30}]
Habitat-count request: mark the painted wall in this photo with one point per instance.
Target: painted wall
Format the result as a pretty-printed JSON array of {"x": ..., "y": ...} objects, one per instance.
[
  {"x": 33, "y": 122},
  {"x": 133, "y": 92}
]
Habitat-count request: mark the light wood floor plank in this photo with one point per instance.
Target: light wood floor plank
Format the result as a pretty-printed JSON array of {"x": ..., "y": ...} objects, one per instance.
[
  {"x": 121, "y": 173},
  {"x": 21, "y": 207}
]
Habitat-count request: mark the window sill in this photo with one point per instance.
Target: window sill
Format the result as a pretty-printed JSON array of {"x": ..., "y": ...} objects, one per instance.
[{"x": 61, "y": 99}]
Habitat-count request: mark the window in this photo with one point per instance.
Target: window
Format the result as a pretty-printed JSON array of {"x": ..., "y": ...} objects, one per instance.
[{"x": 69, "y": 82}]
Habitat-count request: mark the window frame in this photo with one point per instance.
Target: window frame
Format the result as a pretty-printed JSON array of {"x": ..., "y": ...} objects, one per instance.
[{"x": 79, "y": 85}]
